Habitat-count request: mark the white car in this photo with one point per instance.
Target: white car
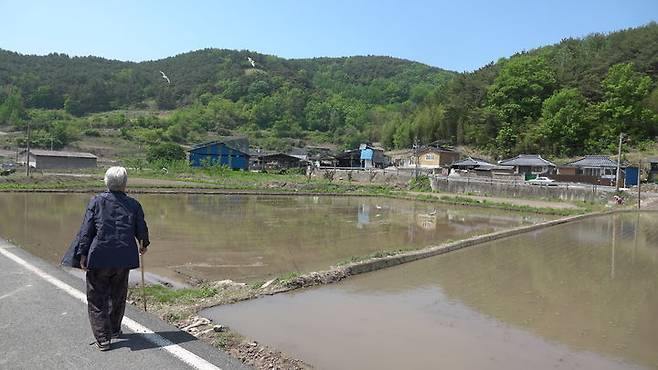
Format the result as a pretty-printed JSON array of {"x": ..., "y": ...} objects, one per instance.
[{"x": 540, "y": 180}]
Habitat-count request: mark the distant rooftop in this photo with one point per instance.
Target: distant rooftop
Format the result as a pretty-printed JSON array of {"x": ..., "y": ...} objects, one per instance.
[
  {"x": 55, "y": 153},
  {"x": 470, "y": 161},
  {"x": 593, "y": 161},
  {"x": 437, "y": 149},
  {"x": 480, "y": 164},
  {"x": 530, "y": 160}
]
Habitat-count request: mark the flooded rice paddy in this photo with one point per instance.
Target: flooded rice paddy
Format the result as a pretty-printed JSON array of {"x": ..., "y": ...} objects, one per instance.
[
  {"x": 576, "y": 296},
  {"x": 249, "y": 237}
]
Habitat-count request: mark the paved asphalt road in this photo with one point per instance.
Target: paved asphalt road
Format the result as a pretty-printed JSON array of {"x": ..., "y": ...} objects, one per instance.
[{"x": 44, "y": 326}]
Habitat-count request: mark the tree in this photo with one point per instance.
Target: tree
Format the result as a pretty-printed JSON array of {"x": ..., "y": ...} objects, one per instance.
[
  {"x": 516, "y": 95},
  {"x": 404, "y": 135},
  {"x": 12, "y": 110},
  {"x": 622, "y": 109},
  {"x": 565, "y": 123},
  {"x": 165, "y": 152},
  {"x": 520, "y": 88}
]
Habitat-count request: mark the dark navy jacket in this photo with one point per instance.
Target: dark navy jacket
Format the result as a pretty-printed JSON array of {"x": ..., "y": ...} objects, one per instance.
[{"x": 107, "y": 236}]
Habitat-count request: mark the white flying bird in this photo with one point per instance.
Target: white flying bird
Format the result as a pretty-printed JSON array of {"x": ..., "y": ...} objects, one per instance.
[
  {"x": 253, "y": 64},
  {"x": 165, "y": 77}
]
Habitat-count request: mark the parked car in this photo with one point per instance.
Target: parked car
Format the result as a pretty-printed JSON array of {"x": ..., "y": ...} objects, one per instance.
[{"x": 541, "y": 180}]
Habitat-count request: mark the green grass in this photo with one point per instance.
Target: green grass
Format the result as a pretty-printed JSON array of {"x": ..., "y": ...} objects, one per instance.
[
  {"x": 377, "y": 254},
  {"x": 289, "y": 277},
  {"x": 163, "y": 294},
  {"x": 226, "y": 339},
  {"x": 256, "y": 284}
]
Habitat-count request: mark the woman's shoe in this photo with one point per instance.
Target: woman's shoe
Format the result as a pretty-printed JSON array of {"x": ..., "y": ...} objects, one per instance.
[{"x": 104, "y": 345}]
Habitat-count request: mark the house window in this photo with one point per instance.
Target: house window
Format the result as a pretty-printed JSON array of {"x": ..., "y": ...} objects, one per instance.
[{"x": 429, "y": 157}]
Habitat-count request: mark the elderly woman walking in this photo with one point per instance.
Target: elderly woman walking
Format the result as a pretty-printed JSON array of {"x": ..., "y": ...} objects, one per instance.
[{"x": 106, "y": 249}]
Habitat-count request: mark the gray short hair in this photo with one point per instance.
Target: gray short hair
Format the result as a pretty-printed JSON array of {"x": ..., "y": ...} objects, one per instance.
[{"x": 116, "y": 178}]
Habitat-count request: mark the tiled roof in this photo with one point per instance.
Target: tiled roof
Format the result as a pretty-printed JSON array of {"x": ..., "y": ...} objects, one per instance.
[
  {"x": 593, "y": 161},
  {"x": 532, "y": 160},
  {"x": 470, "y": 161},
  {"x": 436, "y": 149}
]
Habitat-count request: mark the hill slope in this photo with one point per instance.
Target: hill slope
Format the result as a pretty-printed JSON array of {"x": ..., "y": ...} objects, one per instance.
[
  {"x": 326, "y": 98},
  {"x": 571, "y": 98},
  {"x": 566, "y": 99}
]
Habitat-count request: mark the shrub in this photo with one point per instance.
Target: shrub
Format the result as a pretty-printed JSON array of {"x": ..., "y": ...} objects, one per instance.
[
  {"x": 165, "y": 152},
  {"x": 420, "y": 183}
]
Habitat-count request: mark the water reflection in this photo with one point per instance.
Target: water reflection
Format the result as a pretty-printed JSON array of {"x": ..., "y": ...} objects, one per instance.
[
  {"x": 253, "y": 237},
  {"x": 546, "y": 299}
]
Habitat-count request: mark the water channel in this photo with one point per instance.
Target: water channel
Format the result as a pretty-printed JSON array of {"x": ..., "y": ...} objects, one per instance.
[
  {"x": 249, "y": 237},
  {"x": 580, "y": 295}
]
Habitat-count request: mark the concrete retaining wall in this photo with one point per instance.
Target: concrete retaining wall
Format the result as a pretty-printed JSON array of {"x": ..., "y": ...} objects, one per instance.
[
  {"x": 506, "y": 188},
  {"x": 519, "y": 190}
]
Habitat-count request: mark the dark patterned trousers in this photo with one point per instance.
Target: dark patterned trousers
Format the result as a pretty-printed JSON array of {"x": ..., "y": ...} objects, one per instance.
[{"x": 106, "y": 300}]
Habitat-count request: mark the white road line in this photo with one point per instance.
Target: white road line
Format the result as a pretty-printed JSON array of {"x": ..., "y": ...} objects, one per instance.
[{"x": 165, "y": 344}]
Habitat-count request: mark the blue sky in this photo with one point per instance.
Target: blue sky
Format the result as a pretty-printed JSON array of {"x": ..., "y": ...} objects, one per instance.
[{"x": 458, "y": 35}]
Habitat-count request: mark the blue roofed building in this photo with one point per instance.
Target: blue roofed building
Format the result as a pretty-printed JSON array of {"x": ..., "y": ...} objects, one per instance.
[
  {"x": 367, "y": 155},
  {"x": 364, "y": 157},
  {"x": 230, "y": 152}
]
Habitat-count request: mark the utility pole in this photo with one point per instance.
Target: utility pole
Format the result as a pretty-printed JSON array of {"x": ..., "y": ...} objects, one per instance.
[
  {"x": 621, "y": 136},
  {"x": 27, "y": 152},
  {"x": 416, "y": 156},
  {"x": 639, "y": 183}
]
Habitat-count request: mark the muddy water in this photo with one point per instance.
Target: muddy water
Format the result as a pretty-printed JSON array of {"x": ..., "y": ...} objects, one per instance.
[
  {"x": 581, "y": 295},
  {"x": 253, "y": 237}
]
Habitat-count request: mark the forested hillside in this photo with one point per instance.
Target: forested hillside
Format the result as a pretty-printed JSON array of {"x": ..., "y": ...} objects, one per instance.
[
  {"x": 567, "y": 99},
  {"x": 323, "y": 99}
]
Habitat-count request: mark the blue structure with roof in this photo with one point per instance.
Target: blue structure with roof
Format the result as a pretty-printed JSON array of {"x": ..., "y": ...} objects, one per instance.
[{"x": 223, "y": 153}]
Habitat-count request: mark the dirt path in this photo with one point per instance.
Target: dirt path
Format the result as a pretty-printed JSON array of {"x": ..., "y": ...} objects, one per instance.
[{"x": 513, "y": 201}]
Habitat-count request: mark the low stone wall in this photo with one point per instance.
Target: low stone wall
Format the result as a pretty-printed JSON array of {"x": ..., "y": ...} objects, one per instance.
[
  {"x": 374, "y": 176},
  {"x": 520, "y": 190}
]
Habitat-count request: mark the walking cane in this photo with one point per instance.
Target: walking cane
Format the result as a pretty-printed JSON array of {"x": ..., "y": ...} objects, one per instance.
[{"x": 141, "y": 265}]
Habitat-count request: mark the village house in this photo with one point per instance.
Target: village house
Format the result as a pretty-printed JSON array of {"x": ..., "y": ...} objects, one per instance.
[
  {"x": 231, "y": 152},
  {"x": 529, "y": 165},
  {"x": 275, "y": 161},
  {"x": 364, "y": 157},
  {"x": 480, "y": 167},
  {"x": 429, "y": 157},
  {"x": 470, "y": 163},
  {"x": 50, "y": 159},
  {"x": 591, "y": 169},
  {"x": 400, "y": 158}
]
